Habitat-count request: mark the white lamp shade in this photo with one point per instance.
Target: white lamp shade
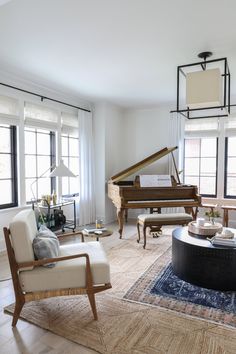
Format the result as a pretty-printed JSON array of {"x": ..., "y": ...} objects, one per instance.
[
  {"x": 204, "y": 89},
  {"x": 61, "y": 171}
]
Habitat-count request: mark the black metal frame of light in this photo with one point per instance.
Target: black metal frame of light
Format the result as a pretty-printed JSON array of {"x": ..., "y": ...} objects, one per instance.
[{"x": 226, "y": 90}]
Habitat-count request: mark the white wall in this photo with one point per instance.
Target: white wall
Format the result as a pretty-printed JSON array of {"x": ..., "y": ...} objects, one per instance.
[
  {"x": 99, "y": 152},
  {"x": 146, "y": 132},
  {"x": 114, "y": 151},
  {"x": 109, "y": 154}
]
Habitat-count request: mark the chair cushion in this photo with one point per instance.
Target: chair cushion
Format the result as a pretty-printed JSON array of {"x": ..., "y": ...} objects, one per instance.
[
  {"x": 69, "y": 273},
  {"x": 23, "y": 230},
  {"x": 46, "y": 245}
]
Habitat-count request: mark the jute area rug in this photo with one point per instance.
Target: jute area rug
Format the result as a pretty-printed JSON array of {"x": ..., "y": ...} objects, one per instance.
[
  {"x": 129, "y": 327},
  {"x": 5, "y": 273}
]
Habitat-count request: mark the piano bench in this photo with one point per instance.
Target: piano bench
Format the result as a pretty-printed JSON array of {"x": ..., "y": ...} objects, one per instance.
[{"x": 156, "y": 221}]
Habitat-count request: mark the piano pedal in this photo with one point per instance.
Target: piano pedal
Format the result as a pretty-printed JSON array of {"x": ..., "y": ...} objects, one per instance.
[{"x": 156, "y": 234}]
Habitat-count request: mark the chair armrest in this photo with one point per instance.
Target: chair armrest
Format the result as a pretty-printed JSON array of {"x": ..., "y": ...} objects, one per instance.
[
  {"x": 76, "y": 233},
  {"x": 41, "y": 262}
]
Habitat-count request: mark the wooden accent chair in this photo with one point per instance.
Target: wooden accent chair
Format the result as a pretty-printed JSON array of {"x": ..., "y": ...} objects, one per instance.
[{"x": 81, "y": 268}]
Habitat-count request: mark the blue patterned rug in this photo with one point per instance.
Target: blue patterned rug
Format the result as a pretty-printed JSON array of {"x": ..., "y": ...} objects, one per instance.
[
  {"x": 159, "y": 286},
  {"x": 168, "y": 284}
]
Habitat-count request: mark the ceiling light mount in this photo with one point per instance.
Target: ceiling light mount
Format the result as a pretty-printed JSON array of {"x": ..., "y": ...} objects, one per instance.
[
  {"x": 205, "y": 55},
  {"x": 203, "y": 88}
]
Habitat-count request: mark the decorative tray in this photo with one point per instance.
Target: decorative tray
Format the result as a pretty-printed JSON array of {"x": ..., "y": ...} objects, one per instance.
[{"x": 207, "y": 229}]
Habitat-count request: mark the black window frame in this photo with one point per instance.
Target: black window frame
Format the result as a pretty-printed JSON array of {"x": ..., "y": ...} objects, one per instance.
[
  {"x": 226, "y": 170},
  {"x": 14, "y": 177},
  {"x": 52, "y": 155},
  {"x": 217, "y": 150}
]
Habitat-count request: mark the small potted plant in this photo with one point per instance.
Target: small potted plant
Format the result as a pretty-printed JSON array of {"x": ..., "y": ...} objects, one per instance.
[{"x": 212, "y": 215}]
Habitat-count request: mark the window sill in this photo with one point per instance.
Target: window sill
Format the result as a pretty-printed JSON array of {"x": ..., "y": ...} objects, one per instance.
[
  {"x": 218, "y": 201},
  {"x": 18, "y": 208}
]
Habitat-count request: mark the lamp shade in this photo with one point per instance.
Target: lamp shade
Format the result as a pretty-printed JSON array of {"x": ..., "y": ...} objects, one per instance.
[
  {"x": 61, "y": 171},
  {"x": 204, "y": 88}
]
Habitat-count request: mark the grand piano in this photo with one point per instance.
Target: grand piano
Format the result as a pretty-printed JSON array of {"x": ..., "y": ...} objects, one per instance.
[{"x": 127, "y": 194}]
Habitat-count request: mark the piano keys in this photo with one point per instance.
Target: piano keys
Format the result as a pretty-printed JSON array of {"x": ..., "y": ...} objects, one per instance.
[{"x": 129, "y": 195}]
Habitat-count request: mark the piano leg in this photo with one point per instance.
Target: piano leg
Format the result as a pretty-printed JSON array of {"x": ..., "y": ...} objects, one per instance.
[
  {"x": 126, "y": 215},
  {"x": 190, "y": 210},
  {"x": 194, "y": 213},
  {"x": 120, "y": 218}
]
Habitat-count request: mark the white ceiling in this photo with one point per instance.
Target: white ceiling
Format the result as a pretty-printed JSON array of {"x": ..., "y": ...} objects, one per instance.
[{"x": 122, "y": 51}]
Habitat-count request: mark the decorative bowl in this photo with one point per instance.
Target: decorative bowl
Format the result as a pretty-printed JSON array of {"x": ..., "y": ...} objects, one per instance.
[{"x": 207, "y": 229}]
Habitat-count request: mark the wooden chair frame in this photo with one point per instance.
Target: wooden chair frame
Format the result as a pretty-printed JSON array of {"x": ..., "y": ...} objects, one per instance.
[{"x": 22, "y": 297}]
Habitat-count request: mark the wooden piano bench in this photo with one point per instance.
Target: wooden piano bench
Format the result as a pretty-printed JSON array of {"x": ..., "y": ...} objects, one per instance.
[{"x": 156, "y": 221}]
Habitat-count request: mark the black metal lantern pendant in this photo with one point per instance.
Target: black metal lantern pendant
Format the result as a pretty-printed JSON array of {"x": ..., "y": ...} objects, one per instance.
[{"x": 203, "y": 88}]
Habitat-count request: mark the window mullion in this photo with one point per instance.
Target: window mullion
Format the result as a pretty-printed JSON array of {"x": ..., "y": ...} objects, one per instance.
[{"x": 221, "y": 159}]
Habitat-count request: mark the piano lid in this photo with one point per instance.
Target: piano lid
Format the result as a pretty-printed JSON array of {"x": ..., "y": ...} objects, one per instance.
[{"x": 141, "y": 164}]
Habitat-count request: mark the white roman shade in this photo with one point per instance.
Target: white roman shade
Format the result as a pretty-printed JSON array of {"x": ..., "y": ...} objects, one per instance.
[
  {"x": 9, "y": 110},
  {"x": 201, "y": 127},
  {"x": 70, "y": 123},
  {"x": 39, "y": 116}
]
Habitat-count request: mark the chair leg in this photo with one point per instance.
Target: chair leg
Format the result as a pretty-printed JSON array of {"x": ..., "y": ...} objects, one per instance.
[
  {"x": 92, "y": 301},
  {"x": 138, "y": 240},
  {"x": 144, "y": 236},
  {"x": 18, "y": 307}
]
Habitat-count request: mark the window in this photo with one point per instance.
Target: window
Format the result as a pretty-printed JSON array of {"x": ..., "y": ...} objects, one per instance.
[
  {"x": 8, "y": 168},
  {"x": 39, "y": 157},
  {"x": 70, "y": 155},
  {"x": 200, "y": 164},
  {"x": 230, "y": 167},
  {"x": 46, "y": 134}
]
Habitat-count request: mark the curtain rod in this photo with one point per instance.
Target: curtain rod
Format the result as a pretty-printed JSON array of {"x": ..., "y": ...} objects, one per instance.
[{"x": 45, "y": 97}]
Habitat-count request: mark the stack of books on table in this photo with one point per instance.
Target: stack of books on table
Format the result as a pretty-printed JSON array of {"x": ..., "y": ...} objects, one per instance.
[
  {"x": 224, "y": 239},
  {"x": 94, "y": 230}
]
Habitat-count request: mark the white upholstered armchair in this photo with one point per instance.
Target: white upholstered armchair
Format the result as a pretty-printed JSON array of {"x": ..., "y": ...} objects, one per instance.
[{"x": 80, "y": 268}]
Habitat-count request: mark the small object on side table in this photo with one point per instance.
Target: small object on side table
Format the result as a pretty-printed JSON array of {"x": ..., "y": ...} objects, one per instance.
[
  {"x": 99, "y": 223},
  {"x": 97, "y": 233},
  {"x": 207, "y": 229}
]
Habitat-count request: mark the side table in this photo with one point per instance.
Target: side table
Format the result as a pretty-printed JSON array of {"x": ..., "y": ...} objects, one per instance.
[
  {"x": 96, "y": 235},
  {"x": 197, "y": 261},
  {"x": 226, "y": 209}
]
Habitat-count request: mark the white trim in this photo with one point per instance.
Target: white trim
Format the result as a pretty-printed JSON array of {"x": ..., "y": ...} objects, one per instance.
[
  {"x": 9, "y": 119},
  {"x": 201, "y": 133},
  {"x": 42, "y": 124}
]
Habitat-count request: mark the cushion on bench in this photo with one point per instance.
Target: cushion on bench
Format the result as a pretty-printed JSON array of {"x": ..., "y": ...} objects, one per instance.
[{"x": 165, "y": 217}]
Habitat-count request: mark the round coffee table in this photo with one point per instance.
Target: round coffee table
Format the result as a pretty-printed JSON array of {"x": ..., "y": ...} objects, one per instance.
[
  {"x": 96, "y": 235},
  {"x": 197, "y": 261}
]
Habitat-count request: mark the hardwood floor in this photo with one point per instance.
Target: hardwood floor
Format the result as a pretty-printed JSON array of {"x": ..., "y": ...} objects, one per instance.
[{"x": 27, "y": 338}]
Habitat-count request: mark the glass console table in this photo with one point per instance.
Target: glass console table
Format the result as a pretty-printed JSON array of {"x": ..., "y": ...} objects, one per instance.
[{"x": 53, "y": 215}]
